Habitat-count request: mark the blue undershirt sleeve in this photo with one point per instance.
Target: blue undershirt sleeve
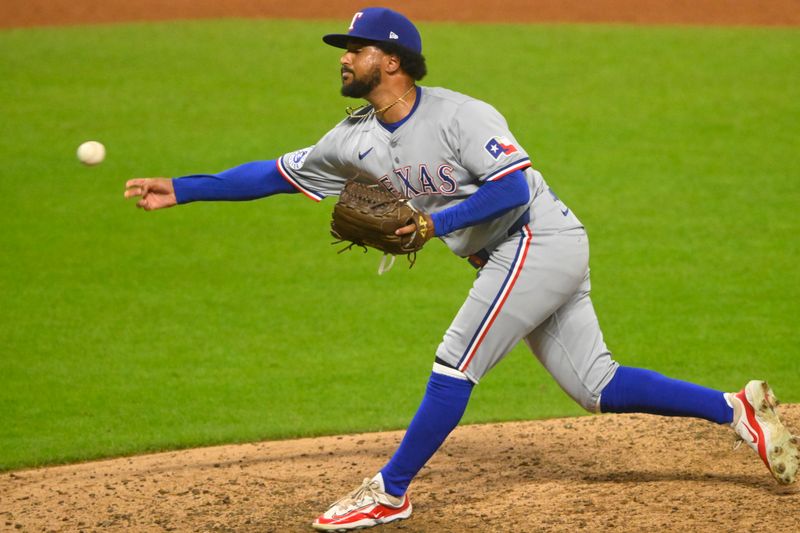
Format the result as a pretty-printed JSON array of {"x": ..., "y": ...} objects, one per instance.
[
  {"x": 249, "y": 181},
  {"x": 491, "y": 200}
]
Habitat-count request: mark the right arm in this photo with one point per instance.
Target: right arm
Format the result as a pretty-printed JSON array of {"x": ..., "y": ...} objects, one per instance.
[{"x": 249, "y": 181}]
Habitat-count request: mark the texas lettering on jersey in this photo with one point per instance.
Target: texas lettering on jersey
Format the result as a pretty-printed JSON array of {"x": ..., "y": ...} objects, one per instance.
[{"x": 422, "y": 181}]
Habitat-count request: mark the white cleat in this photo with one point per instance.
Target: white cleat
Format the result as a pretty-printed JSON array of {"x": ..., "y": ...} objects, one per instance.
[
  {"x": 757, "y": 423},
  {"x": 367, "y": 506}
]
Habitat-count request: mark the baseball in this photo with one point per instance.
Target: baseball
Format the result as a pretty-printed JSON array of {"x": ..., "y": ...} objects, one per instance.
[{"x": 91, "y": 153}]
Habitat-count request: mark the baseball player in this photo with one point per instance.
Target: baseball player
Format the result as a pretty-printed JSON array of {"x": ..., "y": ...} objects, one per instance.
[{"x": 456, "y": 159}]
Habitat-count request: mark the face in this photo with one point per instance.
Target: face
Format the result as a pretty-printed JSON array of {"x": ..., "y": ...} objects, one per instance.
[{"x": 361, "y": 69}]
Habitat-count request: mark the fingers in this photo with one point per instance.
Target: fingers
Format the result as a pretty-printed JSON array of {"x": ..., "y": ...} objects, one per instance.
[
  {"x": 405, "y": 230},
  {"x": 139, "y": 187},
  {"x": 424, "y": 225},
  {"x": 133, "y": 191},
  {"x": 136, "y": 182},
  {"x": 136, "y": 187},
  {"x": 143, "y": 186},
  {"x": 153, "y": 193}
]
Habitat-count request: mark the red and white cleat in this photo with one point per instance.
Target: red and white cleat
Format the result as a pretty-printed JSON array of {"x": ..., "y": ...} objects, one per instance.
[
  {"x": 367, "y": 506},
  {"x": 757, "y": 423}
]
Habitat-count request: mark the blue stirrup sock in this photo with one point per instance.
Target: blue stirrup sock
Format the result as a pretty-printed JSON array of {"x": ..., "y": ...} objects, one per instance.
[
  {"x": 441, "y": 409},
  {"x": 636, "y": 390}
]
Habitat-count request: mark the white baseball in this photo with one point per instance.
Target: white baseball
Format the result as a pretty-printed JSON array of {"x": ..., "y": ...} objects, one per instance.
[{"x": 91, "y": 153}]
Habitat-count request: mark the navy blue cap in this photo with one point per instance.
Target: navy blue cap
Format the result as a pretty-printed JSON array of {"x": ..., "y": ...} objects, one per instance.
[{"x": 379, "y": 24}]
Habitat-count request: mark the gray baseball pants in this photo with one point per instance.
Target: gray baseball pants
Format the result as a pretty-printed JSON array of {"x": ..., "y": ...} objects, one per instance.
[{"x": 535, "y": 287}]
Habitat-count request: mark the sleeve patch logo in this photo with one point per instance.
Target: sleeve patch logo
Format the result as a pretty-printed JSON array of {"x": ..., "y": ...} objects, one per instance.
[
  {"x": 500, "y": 146},
  {"x": 295, "y": 160}
]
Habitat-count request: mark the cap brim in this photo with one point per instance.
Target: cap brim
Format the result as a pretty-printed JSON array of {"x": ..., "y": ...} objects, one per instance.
[{"x": 339, "y": 40}]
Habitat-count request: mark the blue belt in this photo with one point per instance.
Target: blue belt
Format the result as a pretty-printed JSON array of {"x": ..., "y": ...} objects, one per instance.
[{"x": 481, "y": 257}]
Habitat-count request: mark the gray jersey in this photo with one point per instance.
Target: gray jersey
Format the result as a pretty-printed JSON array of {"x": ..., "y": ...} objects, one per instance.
[{"x": 438, "y": 157}]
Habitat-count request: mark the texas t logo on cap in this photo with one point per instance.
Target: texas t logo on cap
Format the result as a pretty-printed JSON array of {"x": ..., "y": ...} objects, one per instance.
[{"x": 353, "y": 22}]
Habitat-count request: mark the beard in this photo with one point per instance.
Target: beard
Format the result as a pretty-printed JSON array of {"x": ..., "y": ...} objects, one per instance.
[{"x": 361, "y": 87}]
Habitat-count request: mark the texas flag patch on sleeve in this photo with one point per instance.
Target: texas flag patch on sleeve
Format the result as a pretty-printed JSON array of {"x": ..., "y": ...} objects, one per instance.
[{"x": 498, "y": 146}]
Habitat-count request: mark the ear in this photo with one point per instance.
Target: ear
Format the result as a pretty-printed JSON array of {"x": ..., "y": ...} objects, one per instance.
[{"x": 391, "y": 63}]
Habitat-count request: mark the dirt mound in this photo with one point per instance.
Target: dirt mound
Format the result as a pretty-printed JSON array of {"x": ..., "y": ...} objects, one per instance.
[
  {"x": 594, "y": 473},
  {"x": 738, "y": 12}
]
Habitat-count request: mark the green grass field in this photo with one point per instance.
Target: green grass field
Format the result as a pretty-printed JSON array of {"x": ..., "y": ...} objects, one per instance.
[{"x": 123, "y": 332}]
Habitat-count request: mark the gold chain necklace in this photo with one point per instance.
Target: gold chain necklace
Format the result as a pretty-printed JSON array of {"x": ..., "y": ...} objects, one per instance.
[{"x": 350, "y": 110}]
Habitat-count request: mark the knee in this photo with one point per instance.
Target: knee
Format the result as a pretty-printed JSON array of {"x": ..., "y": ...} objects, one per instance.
[
  {"x": 590, "y": 402},
  {"x": 587, "y": 398},
  {"x": 590, "y": 390}
]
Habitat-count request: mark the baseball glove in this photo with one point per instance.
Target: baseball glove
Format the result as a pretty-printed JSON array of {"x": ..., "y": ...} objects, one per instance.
[{"x": 367, "y": 214}]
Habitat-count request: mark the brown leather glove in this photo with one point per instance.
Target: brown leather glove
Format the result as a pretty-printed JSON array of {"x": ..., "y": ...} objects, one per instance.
[{"x": 368, "y": 214}]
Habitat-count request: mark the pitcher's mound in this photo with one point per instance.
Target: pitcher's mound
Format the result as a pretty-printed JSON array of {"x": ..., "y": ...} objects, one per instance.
[{"x": 593, "y": 473}]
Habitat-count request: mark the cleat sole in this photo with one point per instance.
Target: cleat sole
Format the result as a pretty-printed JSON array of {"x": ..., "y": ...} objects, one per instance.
[{"x": 784, "y": 453}]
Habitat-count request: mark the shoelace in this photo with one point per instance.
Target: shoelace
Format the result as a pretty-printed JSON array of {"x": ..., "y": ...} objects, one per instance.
[
  {"x": 387, "y": 261},
  {"x": 352, "y": 500},
  {"x": 386, "y": 264}
]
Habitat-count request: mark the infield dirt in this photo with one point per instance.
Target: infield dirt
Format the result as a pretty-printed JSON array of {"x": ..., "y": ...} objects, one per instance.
[
  {"x": 594, "y": 473},
  {"x": 735, "y": 12}
]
